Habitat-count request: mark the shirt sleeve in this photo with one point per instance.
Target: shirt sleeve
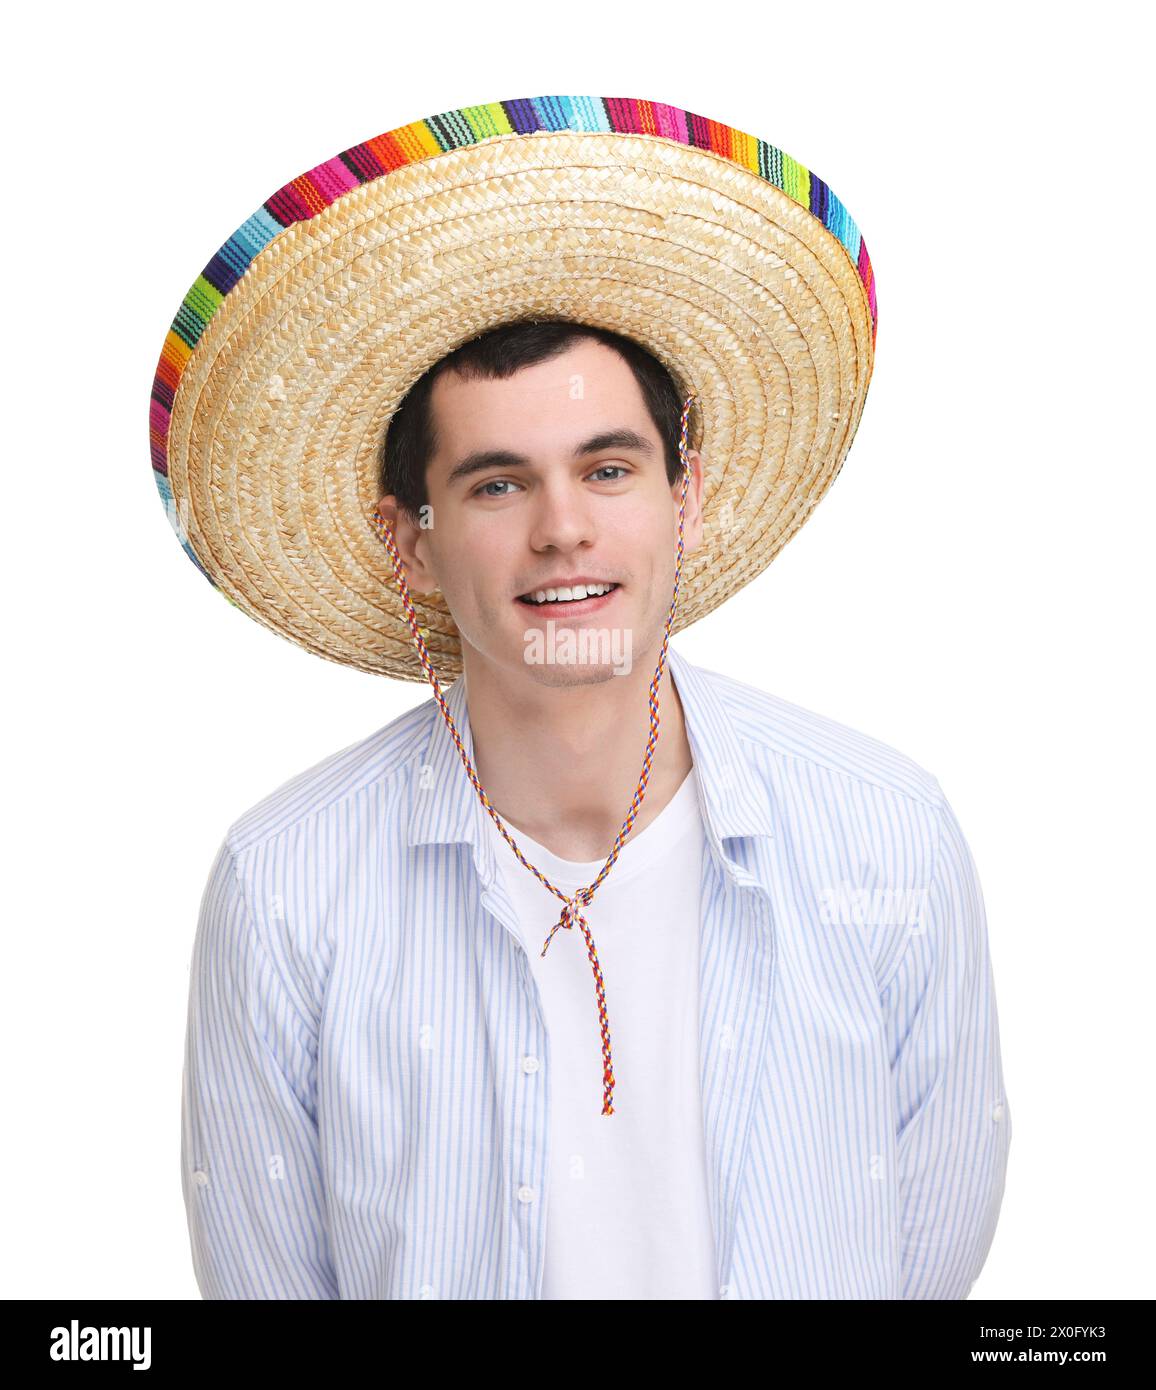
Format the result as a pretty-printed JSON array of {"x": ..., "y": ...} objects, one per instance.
[
  {"x": 953, "y": 1120},
  {"x": 250, "y": 1155}
]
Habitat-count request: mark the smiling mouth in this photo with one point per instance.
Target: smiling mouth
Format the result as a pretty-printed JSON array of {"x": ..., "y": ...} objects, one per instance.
[{"x": 564, "y": 598}]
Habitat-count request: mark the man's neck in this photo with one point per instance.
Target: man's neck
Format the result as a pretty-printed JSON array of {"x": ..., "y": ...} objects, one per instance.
[{"x": 562, "y": 763}]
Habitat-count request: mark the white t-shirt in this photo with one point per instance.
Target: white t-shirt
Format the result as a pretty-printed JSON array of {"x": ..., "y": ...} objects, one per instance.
[{"x": 628, "y": 1207}]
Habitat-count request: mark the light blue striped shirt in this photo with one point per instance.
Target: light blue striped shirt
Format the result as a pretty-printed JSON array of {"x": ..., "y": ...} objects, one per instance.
[{"x": 357, "y": 1118}]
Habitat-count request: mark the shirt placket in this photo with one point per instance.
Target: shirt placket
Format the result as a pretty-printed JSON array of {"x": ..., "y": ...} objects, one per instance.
[{"x": 523, "y": 1094}]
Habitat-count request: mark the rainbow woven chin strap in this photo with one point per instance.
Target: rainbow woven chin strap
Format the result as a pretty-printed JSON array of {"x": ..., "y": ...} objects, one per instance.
[{"x": 571, "y": 906}]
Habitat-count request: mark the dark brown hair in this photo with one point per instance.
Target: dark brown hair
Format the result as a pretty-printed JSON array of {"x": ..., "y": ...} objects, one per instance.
[{"x": 410, "y": 443}]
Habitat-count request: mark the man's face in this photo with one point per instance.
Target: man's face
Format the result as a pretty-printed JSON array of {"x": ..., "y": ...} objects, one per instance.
[{"x": 554, "y": 475}]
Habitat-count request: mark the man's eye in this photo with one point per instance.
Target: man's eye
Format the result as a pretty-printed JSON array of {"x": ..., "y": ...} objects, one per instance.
[
  {"x": 494, "y": 482},
  {"x": 609, "y": 468}
]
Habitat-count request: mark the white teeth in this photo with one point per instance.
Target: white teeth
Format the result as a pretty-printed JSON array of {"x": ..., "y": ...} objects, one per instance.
[{"x": 572, "y": 594}]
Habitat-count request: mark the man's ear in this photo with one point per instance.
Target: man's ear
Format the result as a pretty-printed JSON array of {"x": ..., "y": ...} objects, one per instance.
[
  {"x": 412, "y": 545},
  {"x": 692, "y": 525}
]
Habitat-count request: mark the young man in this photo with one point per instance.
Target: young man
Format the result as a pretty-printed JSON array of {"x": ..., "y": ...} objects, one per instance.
[{"x": 392, "y": 1089}]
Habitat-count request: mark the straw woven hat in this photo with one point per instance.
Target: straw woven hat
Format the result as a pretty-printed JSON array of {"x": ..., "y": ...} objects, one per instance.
[{"x": 732, "y": 263}]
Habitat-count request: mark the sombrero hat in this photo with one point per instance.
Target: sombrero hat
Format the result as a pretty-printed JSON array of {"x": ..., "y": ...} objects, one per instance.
[{"x": 737, "y": 267}]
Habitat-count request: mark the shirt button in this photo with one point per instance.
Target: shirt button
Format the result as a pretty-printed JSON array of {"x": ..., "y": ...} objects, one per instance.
[
  {"x": 426, "y": 1291},
  {"x": 530, "y": 1063},
  {"x": 997, "y": 1111},
  {"x": 525, "y": 1194},
  {"x": 200, "y": 1177}
]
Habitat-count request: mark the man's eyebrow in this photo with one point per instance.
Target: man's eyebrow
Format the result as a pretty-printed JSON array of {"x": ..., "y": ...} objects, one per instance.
[{"x": 505, "y": 458}]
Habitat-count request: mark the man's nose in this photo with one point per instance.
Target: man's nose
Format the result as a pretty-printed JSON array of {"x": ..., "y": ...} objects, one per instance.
[{"x": 563, "y": 517}]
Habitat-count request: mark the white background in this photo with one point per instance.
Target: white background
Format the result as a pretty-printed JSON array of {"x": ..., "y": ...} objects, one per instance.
[{"x": 974, "y": 590}]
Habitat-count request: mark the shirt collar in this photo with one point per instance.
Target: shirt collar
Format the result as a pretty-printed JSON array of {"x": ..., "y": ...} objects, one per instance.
[{"x": 736, "y": 802}]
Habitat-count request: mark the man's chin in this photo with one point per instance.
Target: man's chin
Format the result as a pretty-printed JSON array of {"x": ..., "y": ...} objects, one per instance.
[
  {"x": 560, "y": 654},
  {"x": 563, "y": 677},
  {"x": 579, "y": 653}
]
